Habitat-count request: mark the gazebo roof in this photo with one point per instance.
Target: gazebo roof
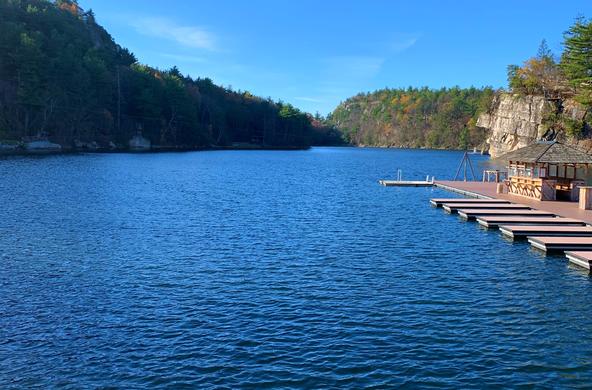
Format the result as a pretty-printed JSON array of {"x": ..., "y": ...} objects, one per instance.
[{"x": 551, "y": 152}]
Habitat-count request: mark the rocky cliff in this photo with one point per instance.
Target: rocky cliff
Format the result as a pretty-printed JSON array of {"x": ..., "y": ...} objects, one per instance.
[{"x": 515, "y": 121}]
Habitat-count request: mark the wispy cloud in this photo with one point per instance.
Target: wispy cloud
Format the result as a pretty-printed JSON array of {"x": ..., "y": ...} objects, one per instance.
[
  {"x": 190, "y": 36},
  {"x": 309, "y": 99},
  {"x": 402, "y": 42}
]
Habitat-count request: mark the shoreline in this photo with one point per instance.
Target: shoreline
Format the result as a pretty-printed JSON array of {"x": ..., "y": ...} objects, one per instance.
[
  {"x": 172, "y": 149},
  {"x": 24, "y": 152}
]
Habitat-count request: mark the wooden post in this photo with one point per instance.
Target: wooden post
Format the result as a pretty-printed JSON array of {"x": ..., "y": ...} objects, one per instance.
[{"x": 585, "y": 202}]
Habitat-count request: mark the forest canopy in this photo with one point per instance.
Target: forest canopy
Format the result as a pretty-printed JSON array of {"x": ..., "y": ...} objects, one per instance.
[
  {"x": 414, "y": 117},
  {"x": 62, "y": 76},
  {"x": 563, "y": 77}
]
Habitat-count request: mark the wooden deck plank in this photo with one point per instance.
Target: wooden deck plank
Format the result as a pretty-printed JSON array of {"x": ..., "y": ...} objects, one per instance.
[
  {"x": 454, "y": 207},
  {"x": 438, "y": 202},
  {"x": 523, "y": 231},
  {"x": 495, "y": 221},
  {"x": 580, "y": 258},
  {"x": 547, "y": 243},
  {"x": 470, "y": 214}
]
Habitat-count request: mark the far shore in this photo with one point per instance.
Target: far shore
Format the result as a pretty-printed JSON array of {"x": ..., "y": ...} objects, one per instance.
[
  {"x": 173, "y": 149},
  {"x": 25, "y": 152}
]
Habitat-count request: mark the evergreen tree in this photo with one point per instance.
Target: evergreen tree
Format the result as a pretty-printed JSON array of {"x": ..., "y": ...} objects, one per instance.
[
  {"x": 544, "y": 53},
  {"x": 576, "y": 61}
]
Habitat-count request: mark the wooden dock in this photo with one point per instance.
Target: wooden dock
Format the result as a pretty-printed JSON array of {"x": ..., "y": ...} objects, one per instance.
[
  {"x": 580, "y": 258},
  {"x": 548, "y": 226},
  {"x": 492, "y": 222},
  {"x": 406, "y": 183},
  {"x": 471, "y": 214},
  {"x": 454, "y": 187},
  {"x": 548, "y": 244},
  {"x": 439, "y": 202},
  {"x": 523, "y": 231},
  {"x": 454, "y": 207}
]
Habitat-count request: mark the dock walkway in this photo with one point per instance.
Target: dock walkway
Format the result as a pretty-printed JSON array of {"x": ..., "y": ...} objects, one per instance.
[
  {"x": 493, "y": 222},
  {"x": 581, "y": 258},
  {"x": 547, "y": 244},
  {"x": 406, "y": 183},
  {"x": 471, "y": 214},
  {"x": 547, "y": 225},
  {"x": 522, "y": 231},
  {"x": 439, "y": 202},
  {"x": 479, "y": 189},
  {"x": 454, "y": 207}
]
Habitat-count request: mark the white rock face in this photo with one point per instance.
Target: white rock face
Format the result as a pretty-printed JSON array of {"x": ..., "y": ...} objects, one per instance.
[
  {"x": 514, "y": 122},
  {"x": 139, "y": 143}
]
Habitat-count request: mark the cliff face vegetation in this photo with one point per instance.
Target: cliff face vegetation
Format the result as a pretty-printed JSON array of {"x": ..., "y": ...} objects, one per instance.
[
  {"x": 548, "y": 99},
  {"x": 416, "y": 118},
  {"x": 63, "y": 77},
  {"x": 515, "y": 121}
]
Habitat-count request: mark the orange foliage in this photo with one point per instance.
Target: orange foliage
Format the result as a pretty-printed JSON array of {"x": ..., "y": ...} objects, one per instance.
[
  {"x": 69, "y": 6},
  {"x": 405, "y": 99}
]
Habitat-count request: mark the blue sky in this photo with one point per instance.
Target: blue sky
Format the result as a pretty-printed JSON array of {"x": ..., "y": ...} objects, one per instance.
[{"x": 315, "y": 54}]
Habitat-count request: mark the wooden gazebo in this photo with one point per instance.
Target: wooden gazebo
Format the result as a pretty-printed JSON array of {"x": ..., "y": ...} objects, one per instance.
[{"x": 547, "y": 170}]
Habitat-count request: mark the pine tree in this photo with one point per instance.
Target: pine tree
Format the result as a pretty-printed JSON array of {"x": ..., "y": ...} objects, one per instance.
[
  {"x": 576, "y": 61},
  {"x": 544, "y": 53}
]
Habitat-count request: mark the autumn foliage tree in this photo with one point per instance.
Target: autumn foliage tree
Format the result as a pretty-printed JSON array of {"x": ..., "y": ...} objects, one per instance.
[
  {"x": 539, "y": 75},
  {"x": 570, "y": 77},
  {"x": 415, "y": 117}
]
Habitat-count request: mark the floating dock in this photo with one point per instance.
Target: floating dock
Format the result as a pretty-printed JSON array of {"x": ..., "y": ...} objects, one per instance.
[
  {"x": 454, "y": 207},
  {"x": 548, "y": 244},
  {"x": 523, "y": 231},
  {"x": 471, "y": 214},
  {"x": 492, "y": 222},
  {"x": 548, "y": 225},
  {"x": 454, "y": 187},
  {"x": 406, "y": 183},
  {"x": 439, "y": 202},
  {"x": 581, "y": 258}
]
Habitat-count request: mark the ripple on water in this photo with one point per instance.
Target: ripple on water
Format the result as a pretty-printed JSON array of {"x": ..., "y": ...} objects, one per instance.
[{"x": 271, "y": 269}]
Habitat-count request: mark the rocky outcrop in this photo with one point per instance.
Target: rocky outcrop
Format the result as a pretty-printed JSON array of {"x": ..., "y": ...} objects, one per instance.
[{"x": 515, "y": 121}]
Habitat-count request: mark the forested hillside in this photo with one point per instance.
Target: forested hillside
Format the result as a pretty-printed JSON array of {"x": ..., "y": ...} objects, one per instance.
[
  {"x": 447, "y": 118},
  {"x": 63, "y": 77},
  {"x": 442, "y": 118},
  {"x": 549, "y": 97},
  {"x": 564, "y": 81}
]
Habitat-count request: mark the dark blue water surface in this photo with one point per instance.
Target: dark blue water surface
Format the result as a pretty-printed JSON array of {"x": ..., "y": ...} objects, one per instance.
[{"x": 271, "y": 269}]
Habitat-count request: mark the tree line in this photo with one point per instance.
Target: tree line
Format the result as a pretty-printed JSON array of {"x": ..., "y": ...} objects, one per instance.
[
  {"x": 63, "y": 76},
  {"x": 559, "y": 79},
  {"x": 568, "y": 76},
  {"x": 414, "y": 117},
  {"x": 447, "y": 117}
]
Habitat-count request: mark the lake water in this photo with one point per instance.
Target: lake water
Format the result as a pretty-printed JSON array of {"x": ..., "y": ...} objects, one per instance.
[{"x": 271, "y": 269}]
